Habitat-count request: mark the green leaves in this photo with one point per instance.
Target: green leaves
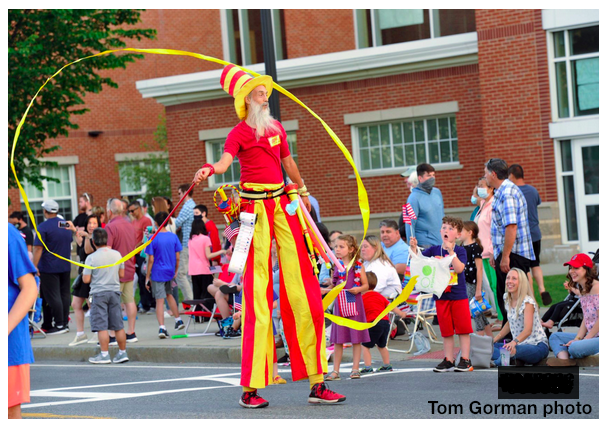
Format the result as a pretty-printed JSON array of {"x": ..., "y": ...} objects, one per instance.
[{"x": 40, "y": 42}]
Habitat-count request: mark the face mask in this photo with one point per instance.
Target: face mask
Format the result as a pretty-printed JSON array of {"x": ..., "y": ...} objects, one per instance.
[
  {"x": 473, "y": 200},
  {"x": 482, "y": 193},
  {"x": 427, "y": 185},
  {"x": 197, "y": 217}
]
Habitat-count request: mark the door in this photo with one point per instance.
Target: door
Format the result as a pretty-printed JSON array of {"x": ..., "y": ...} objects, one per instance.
[{"x": 586, "y": 182}]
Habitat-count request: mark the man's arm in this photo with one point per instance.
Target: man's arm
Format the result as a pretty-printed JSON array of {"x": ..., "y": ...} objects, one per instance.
[
  {"x": 220, "y": 167},
  {"x": 148, "y": 275},
  {"x": 293, "y": 173},
  {"x": 509, "y": 237}
]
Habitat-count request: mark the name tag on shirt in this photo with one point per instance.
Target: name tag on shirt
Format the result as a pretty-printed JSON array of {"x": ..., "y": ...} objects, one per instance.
[{"x": 274, "y": 141}]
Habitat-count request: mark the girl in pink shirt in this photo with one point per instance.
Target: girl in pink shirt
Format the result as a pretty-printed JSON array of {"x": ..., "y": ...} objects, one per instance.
[{"x": 199, "y": 256}]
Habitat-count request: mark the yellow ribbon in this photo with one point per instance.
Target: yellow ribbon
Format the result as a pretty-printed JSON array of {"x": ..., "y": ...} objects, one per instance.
[
  {"x": 362, "y": 193},
  {"x": 359, "y": 326}
]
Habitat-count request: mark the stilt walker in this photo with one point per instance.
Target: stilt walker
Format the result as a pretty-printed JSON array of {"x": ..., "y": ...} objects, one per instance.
[{"x": 260, "y": 143}]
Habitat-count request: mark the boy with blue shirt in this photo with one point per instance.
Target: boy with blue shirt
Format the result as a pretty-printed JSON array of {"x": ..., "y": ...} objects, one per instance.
[
  {"x": 452, "y": 308},
  {"x": 22, "y": 293},
  {"x": 163, "y": 265}
]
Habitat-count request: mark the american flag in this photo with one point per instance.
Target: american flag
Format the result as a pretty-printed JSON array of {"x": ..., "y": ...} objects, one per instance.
[
  {"x": 347, "y": 304},
  {"x": 408, "y": 213},
  {"x": 238, "y": 302},
  {"x": 232, "y": 230}
]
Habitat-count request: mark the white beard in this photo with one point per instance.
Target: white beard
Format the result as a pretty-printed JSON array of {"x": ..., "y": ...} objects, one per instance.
[{"x": 260, "y": 119}]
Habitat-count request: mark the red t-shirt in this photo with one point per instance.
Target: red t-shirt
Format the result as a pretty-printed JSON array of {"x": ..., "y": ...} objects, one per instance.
[
  {"x": 260, "y": 161},
  {"x": 374, "y": 303},
  {"x": 140, "y": 226},
  {"x": 215, "y": 242}
]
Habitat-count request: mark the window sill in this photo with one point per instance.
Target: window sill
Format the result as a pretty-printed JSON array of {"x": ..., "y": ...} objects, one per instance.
[
  {"x": 574, "y": 127},
  {"x": 398, "y": 171}
]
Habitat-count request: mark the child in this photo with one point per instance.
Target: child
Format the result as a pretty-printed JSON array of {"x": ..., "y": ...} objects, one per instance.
[
  {"x": 163, "y": 263},
  {"x": 356, "y": 283},
  {"x": 105, "y": 295},
  {"x": 22, "y": 293},
  {"x": 474, "y": 273},
  {"x": 375, "y": 303},
  {"x": 200, "y": 256},
  {"x": 452, "y": 308}
]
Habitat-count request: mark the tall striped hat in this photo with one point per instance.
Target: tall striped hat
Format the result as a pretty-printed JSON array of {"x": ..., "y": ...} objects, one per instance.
[{"x": 239, "y": 84}]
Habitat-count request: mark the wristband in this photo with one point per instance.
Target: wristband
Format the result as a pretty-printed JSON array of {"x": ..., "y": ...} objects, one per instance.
[
  {"x": 211, "y": 168},
  {"x": 301, "y": 191},
  {"x": 305, "y": 194}
]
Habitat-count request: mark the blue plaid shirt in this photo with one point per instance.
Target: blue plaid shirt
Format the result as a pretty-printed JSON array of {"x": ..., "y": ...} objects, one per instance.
[
  {"x": 184, "y": 220},
  {"x": 510, "y": 208}
]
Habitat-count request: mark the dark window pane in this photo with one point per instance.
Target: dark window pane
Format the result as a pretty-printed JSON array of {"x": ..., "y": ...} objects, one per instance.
[
  {"x": 237, "y": 50},
  {"x": 432, "y": 130},
  {"x": 399, "y": 159},
  {"x": 453, "y": 127},
  {"x": 386, "y": 157},
  {"x": 283, "y": 35},
  {"x": 561, "y": 89},
  {"x": 454, "y": 148},
  {"x": 584, "y": 40},
  {"x": 375, "y": 158},
  {"x": 586, "y": 86},
  {"x": 365, "y": 159},
  {"x": 408, "y": 127},
  {"x": 590, "y": 164},
  {"x": 419, "y": 131},
  {"x": 255, "y": 41},
  {"x": 445, "y": 151},
  {"x": 592, "y": 217},
  {"x": 403, "y": 25},
  {"x": 374, "y": 136},
  {"x": 566, "y": 157},
  {"x": 455, "y": 21},
  {"x": 385, "y": 135},
  {"x": 410, "y": 155},
  {"x": 397, "y": 133},
  {"x": 432, "y": 153},
  {"x": 570, "y": 213},
  {"x": 443, "y": 128},
  {"x": 559, "y": 44},
  {"x": 363, "y": 135},
  {"x": 420, "y": 149}
]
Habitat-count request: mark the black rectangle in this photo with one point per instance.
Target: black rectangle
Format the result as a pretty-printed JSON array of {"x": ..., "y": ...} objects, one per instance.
[{"x": 538, "y": 382}]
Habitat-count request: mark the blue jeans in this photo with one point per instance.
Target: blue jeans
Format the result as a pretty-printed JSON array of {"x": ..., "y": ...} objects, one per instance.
[
  {"x": 524, "y": 352},
  {"x": 578, "y": 349}
]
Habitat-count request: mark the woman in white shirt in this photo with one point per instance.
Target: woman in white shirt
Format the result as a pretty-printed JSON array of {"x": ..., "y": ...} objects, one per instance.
[{"x": 376, "y": 261}]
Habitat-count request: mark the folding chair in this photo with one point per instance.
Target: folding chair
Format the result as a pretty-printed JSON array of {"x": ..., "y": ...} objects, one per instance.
[
  {"x": 575, "y": 321},
  {"x": 213, "y": 314},
  {"x": 425, "y": 312},
  {"x": 33, "y": 324}
]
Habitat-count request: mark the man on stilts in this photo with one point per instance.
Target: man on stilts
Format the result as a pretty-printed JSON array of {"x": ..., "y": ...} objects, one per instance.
[{"x": 260, "y": 143}]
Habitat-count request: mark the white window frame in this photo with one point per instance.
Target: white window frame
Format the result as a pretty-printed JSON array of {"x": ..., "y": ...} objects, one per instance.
[
  {"x": 141, "y": 157},
  {"x": 213, "y": 135},
  {"x": 62, "y": 161},
  {"x": 552, "y": 60},
  {"x": 415, "y": 113}
]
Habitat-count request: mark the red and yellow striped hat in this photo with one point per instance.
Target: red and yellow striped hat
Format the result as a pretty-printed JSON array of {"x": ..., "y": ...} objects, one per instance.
[{"x": 239, "y": 84}]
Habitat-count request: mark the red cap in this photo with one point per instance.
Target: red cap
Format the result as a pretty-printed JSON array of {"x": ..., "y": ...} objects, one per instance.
[{"x": 580, "y": 260}]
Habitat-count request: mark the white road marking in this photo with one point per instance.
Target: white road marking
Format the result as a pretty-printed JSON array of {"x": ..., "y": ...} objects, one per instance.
[{"x": 131, "y": 366}]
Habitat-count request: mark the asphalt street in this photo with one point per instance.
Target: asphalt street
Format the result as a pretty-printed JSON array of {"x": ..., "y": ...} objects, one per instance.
[{"x": 137, "y": 390}]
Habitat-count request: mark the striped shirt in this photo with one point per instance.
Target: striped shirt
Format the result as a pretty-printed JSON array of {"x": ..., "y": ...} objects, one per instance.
[
  {"x": 185, "y": 219},
  {"x": 510, "y": 208}
]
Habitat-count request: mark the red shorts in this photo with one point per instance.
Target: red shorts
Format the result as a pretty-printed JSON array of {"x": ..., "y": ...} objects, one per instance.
[
  {"x": 18, "y": 384},
  {"x": 453, "y": 317}
]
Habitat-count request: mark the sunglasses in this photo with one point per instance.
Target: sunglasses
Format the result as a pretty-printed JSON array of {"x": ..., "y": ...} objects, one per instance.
[{"x": 133, "y": 210}]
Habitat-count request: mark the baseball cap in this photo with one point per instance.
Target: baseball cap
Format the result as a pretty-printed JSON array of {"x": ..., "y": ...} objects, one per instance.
[
  {"x": 409, "y": 171},
  {"x": 50, "y": 206},
  {"x": 580, "y": 260}
]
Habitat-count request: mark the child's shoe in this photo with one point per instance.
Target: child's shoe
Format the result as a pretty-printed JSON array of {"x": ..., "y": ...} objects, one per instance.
[
  {"x": 252, "y": 400},
  {"x": 179, "y": 325},
  {"x": 445, "y": 366},
  {"x": 120, "y": 357},
  {"x": 162, "y": 333},
  {"x": 464, "y": 365},
  {"x": 366, "y": 370},
  {"x": 279, "y": 380},
  {"x": 384, "y": 368},
  {"x": 100, "y": 359},
  {"x": 321, "y": 394}
]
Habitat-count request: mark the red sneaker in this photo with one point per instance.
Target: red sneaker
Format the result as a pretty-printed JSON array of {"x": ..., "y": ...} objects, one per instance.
[
  {"x": 321, "y": 394},
  {"x": 252, "y": 400}
]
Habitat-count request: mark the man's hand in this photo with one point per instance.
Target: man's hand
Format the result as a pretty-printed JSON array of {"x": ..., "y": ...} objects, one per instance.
[
  {"x": 147, "y": 283},
  {"x": 307, "y": 204},
  {"x": 479, "y": 296},
  {"x": 492, "y": 261},
  {"x": 201, "y": 175},
  {"x": 505, "y": 264}
]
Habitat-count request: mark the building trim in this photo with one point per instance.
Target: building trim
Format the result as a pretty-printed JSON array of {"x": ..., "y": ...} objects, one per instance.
[
  {"x": 394, "y": 171},
  {"x": 61, "y": 160},
  {"x": 402, "y": 113},
  {"x": 428, "y": 54},
  {"x": 222, "y": 133},
  {"x": 139, "y": 156},
  {"x": 558, "y": 19},
  {"x": 574, "y": 128}
]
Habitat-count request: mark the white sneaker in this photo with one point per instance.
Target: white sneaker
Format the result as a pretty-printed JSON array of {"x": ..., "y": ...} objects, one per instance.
[
  {"x": 167, "y": 315},
  {"x": 94, "y": 339},
  {"x": 80, "y": 339},
  {"x": 87, "y": 314}
]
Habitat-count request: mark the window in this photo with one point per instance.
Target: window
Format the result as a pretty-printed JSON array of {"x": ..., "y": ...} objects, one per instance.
[
  {"x": 245, "y": 44},
  {"x": 576, "y": 68},
  {"x": 232, "y": 174},
  {"x": 378, "y": 27},
  {"x": 569, "y": 190},
  {"x": 406, "y": 143},
  {"x": 135, "y": 174},
  {"x": 63, "y": 192}
]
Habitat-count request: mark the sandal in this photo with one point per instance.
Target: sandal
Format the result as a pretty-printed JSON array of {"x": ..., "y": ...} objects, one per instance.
[
  {"x": 546, "y": 298},
  {"x": 333, "y": 376},
  {"x": 355, "y": 374}
]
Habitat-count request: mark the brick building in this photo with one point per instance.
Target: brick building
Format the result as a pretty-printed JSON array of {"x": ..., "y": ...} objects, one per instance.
[{"x": 449, "y": 87}]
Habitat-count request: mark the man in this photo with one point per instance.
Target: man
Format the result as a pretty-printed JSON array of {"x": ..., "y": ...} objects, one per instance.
[
  {"x": 396, "y": 249},
  {"x": 184, "y": 221},
  {"x": 532, "y": 197},
  {"x": 202, "y": 211},
  {"x": 260, "y": 143},
  {"x": 512, "y": 246},
  {"x": 17, "y": 219},
  {"x": 140, "y": 222},
  {"x": 122, "y": 237},
  {"x": 333, "y": 238},
  {"x": 427, "y": 203},
  {"x": 85, "y": 206},
  {"x": 54, "y": 272}
]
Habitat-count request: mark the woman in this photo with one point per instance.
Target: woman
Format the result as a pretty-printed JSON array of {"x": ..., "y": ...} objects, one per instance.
[
  {"x": 483, "y": 220},
  {"x": 160, "y": 204},
  {"x": 81, "y": 290},
  {"x": 568, "y": 346},
  {"x": 529, "y": 344},
  {"x": 100, "y": 213},
  {"x": 375, "y": 260}
]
